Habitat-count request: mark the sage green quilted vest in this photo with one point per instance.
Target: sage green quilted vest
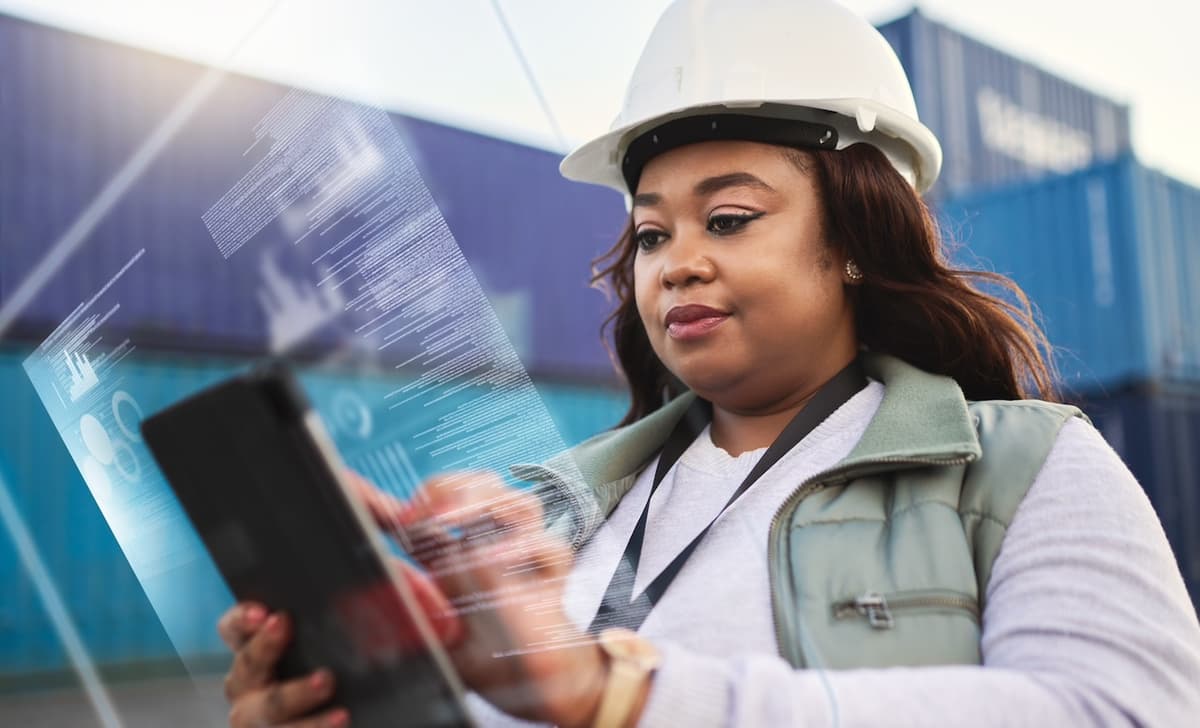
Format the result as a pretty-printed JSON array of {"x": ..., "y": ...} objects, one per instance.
[{"x": 884, "y": 559}]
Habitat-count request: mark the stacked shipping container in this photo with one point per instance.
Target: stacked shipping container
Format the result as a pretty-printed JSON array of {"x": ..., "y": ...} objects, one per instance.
[
  {"x": 1000, "y": 119},
  {"x": 74, "y": 109},
  {"x": 1109, "y": 254},
  {"x": 1111, "y": 257}
]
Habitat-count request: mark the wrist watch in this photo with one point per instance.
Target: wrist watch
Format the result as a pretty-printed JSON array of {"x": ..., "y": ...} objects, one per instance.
[{"x": 631, "y": 660}]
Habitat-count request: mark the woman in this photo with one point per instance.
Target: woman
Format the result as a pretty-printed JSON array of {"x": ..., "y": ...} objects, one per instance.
[{"x": 854, "y": 478}]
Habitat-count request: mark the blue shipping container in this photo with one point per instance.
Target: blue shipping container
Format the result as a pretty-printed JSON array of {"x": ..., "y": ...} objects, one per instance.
[
  {"x": 1111, "y": 258},
  {"x": 999, "y": 118},
  {"x": 104, "y": 599},
  {"x": 73, "y": 109}
]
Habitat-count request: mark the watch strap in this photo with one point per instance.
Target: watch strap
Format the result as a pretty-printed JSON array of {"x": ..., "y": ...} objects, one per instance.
[{"x": 631, "y": 661}]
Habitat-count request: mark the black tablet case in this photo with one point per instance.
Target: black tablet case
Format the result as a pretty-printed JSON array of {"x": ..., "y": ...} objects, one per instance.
[{"x": 252, "y": 467}]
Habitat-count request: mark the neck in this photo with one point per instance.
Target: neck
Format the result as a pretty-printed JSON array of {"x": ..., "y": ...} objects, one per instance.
[{"x": 738, "y": 430}]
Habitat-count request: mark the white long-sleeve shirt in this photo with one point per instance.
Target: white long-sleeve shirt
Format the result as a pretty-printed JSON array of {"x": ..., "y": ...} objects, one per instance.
[{"x": 1087, "y": 620}]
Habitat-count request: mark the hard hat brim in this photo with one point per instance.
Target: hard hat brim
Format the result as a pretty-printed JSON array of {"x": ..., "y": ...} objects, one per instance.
[{"x": 599, "y": 160}]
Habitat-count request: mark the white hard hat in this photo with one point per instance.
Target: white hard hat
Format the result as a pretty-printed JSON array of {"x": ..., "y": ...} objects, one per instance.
[{"x": 805, "y": 73}]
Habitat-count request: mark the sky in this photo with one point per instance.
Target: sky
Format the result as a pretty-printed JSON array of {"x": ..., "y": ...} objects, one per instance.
[{"x": 452, "y": 60}]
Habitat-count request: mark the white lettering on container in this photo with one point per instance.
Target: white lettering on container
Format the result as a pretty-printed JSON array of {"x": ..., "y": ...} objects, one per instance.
[{"x": 1040, "y": 142}]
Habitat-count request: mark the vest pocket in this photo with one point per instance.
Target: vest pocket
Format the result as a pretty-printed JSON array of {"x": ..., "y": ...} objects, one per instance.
[{"x": 882, "y": 610}]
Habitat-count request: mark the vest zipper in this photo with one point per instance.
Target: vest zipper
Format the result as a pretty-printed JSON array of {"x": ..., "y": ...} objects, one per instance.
[
  {"x": 805, "y": 489},
  {"x": 878, "y": 609}
]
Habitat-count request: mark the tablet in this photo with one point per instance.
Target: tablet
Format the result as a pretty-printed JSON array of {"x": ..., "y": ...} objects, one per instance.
[{"x": 260, "y": 480}]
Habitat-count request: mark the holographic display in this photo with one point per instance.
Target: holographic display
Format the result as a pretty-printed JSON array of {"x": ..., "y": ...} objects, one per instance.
[{"x": 331, "y": 238}]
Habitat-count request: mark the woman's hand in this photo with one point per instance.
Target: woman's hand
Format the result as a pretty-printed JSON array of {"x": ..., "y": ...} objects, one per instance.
[
  {"x": 485, "y": 546},
  {"x": 256, "y": 698},
  {"x": 496, "y": 605},
  {"x": 258, "y": 639}
]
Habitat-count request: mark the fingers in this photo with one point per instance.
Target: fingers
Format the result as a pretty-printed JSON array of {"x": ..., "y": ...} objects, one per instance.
[
  {"x": 254, "y": 663},
  {"x": 542, "y": 557},
  {"x": 437, "y": 608},
  {"x": 239, "y": 623},
  {"x": 390, "y": 513},
  {"x": 282, "y": 704},
  {"x": 469, "y": 528},
  {"x": 475, "y": 576},
  {"x": 479, "y": 504}
]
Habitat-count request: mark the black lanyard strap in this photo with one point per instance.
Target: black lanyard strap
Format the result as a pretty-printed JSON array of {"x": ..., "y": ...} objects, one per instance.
[{"x": 618, "y": 608}]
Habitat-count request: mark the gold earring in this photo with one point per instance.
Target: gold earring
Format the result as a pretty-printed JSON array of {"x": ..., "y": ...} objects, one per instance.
[{"x": 852, "y": 271}]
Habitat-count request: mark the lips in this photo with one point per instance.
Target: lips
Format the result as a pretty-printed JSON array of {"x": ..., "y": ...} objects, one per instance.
[{"x": 693, "y": 321}]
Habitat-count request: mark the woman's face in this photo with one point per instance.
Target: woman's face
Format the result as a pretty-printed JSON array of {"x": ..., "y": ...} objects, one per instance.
[{"x": 739, "y": 294}]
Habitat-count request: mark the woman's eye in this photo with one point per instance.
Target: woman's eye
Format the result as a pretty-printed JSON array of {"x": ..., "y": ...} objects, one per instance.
[
  {"x": 649, "y": 239},
  {"x": 725, "y": 224}
]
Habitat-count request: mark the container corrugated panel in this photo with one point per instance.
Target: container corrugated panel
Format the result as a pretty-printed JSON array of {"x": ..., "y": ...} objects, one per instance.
[
  {"x": 76, "y": 108},
  {"x": 1000, "y": 118},
  {"x": 69, "y": 126},
  {"x": 580, "y": 412},
  {"x": 1156, "y": 430},
  {"x": 529, "y": 235},
  {"x": 1110, "y": 256},
  {"x": 1167, "y": 228}
]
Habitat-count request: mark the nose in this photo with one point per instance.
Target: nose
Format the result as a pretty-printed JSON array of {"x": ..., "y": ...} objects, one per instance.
[{"x": 685, "y": 262}]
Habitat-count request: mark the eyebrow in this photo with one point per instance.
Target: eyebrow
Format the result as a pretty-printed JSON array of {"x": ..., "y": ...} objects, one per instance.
[
  {"x": 707, "y": 187},
  {"x": 646, "y": 199}
]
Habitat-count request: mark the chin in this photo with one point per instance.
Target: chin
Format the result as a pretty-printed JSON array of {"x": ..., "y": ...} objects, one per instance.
[
  {"x": 709, "y": 382},
  {"x": 710, "y": 370},
  {"x": 730, "y": 385}
]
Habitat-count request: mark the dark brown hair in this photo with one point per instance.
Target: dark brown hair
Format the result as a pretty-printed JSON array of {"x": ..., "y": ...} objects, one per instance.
[{"x": 911, "y": 303}]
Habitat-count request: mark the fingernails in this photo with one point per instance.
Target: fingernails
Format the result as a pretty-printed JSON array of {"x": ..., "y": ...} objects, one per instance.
[
  {"x": 340, "y": 719},
  {"x": 252, "y": 616},
  {"x": 319, "y": 679},
  {"x": 274, "y": 625}
]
